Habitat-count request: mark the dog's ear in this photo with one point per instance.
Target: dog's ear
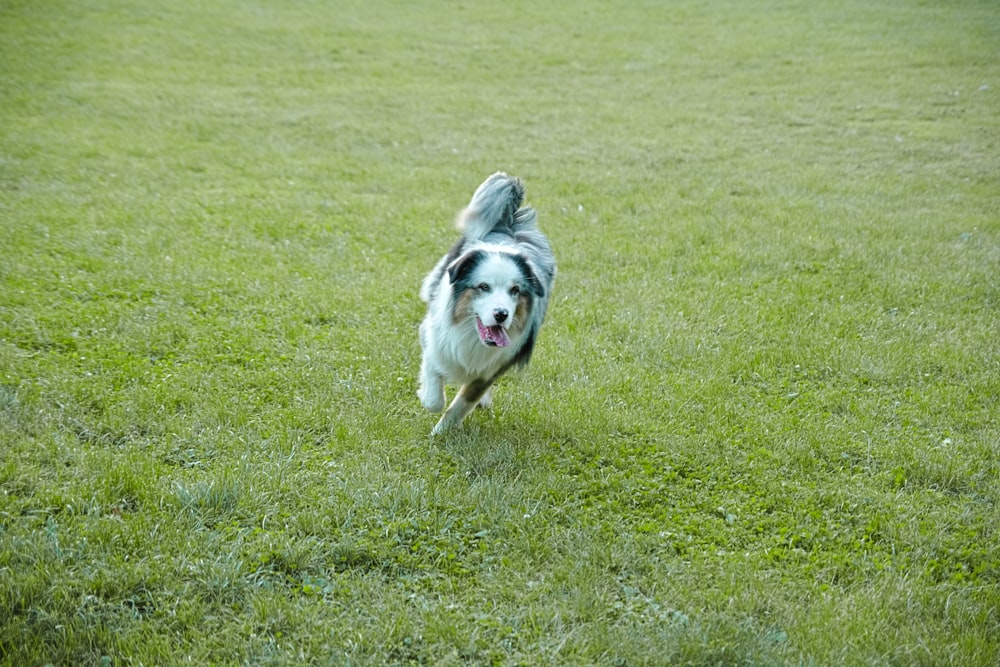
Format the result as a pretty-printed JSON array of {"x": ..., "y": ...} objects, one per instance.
[
  {"x": 459, "y": 270},
  {"x": 530, "y": 276}
]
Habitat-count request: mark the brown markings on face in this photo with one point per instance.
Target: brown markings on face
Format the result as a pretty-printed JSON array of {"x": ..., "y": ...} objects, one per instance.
[
  {"x": 520, "y": 314},
  {"x": 463, "y": 305}
]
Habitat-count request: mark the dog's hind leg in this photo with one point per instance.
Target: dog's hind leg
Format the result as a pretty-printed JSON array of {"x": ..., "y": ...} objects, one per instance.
[
  {"x": 486, "y": 402},
  {"x": 466, "y": 400}
]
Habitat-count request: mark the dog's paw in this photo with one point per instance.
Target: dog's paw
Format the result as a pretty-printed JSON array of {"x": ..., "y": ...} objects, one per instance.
[
  {"x": 433, "y": 402},
  {"x": 486, "y": 402},
  {"x": 449, "y": 420}
]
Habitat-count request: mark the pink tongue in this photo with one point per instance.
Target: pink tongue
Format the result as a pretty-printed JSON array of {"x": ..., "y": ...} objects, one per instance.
[{"x": 494, "y": 335}]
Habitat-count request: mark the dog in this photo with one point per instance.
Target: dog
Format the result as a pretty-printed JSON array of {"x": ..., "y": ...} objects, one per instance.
[{"x": 486, "y": 300}]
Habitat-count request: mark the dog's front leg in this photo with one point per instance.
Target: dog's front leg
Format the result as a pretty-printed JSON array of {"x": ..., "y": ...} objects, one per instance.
[
  {"x": 463, "y": 404},
  {"x": 431, "y": 391}
]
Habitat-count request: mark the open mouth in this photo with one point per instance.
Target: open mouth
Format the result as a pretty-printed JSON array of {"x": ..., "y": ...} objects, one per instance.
[{"x": 494, "y": 336}]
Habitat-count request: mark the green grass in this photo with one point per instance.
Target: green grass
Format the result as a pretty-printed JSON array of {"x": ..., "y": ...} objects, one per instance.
[{"x": 762, "y": 424}]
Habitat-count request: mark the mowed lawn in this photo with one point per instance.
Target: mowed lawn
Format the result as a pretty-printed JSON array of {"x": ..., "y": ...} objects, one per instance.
[{"x": 762, "y": 423}]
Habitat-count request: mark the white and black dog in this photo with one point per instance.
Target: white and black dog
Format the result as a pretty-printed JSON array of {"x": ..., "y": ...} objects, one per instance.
[{"x": 486, "y": 300}]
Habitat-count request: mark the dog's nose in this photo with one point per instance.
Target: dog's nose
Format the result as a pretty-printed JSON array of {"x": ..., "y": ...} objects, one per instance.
[{"x": 500, "y": 314}]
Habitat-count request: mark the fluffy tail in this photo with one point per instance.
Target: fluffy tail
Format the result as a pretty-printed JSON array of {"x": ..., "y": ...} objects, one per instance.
[{"x": 496, "y": 205}]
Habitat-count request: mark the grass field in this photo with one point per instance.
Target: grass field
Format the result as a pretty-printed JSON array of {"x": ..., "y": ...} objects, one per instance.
[{"x": 762, "y": 423}]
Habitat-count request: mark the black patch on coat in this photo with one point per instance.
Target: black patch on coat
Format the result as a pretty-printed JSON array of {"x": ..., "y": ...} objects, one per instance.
[
  {"x": 534, "y": 284},
  {"x": 474, "y": 391},
  {"x": 523, "y": 355},
  {"x": 460, "y": 269}
]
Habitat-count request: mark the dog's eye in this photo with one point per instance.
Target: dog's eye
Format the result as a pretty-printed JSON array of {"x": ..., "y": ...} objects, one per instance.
[
  {"x": 483, "y": 287},
  {"x": 515, "y": 291}
]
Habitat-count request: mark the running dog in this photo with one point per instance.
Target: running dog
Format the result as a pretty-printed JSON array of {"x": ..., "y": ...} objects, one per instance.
[{"x": 486, "y": 300}]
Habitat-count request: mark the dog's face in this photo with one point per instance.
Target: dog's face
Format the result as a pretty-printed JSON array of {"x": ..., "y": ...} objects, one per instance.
[{"x": 496, "y": 288}]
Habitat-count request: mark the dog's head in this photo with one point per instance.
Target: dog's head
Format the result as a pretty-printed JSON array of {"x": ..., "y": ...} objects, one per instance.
[{"x": 497, "y": 288}]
